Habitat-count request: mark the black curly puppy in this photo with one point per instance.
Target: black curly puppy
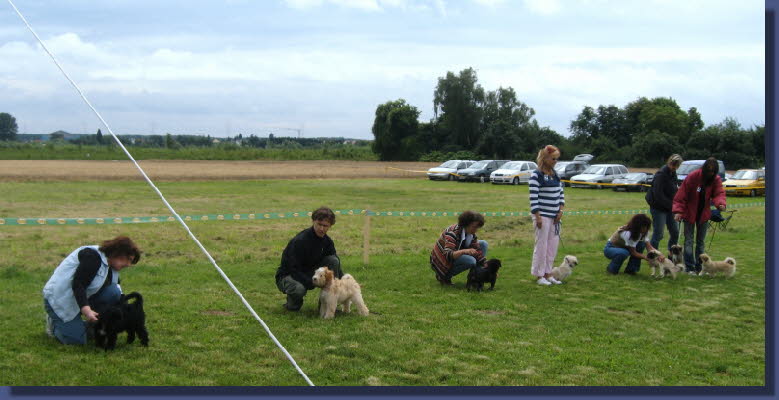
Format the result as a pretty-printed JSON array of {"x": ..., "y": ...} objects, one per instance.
[
  {"x": 478, "y": 276},
  {"x": 123, "y": 317}
]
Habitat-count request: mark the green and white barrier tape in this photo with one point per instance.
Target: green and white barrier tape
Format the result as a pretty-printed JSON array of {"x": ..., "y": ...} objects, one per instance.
[{"x": 285, "y": 215}]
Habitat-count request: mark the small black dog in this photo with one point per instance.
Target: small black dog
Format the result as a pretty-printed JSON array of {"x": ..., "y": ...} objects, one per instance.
[
  {"x": 124, "y": 316},
  {"x": 478, "y": 276}
]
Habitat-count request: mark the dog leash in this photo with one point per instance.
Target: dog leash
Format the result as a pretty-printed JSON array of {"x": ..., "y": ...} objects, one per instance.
[{"x": 558, "y": 228}]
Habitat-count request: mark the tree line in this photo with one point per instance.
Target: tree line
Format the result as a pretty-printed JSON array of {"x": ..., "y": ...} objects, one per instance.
[{"x": 470, "y": 122}]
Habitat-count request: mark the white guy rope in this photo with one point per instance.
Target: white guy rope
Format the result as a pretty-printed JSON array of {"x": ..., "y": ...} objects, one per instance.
[{"x": 162, "y": 197}]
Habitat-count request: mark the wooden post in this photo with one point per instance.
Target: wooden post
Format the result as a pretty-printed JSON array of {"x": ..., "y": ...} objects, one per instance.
[{"x": 366, "y": 238}]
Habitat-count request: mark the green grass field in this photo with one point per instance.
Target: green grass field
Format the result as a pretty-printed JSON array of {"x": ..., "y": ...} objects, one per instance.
[
  {"x": 594, "y": 330},
  {"x": 68, "y": 151}
]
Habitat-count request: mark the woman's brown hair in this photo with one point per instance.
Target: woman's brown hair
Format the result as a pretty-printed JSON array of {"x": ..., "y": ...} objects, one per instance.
[
  {"x": 636, "y": 223},
  {"x": 468, "y": 217},
  {"x": 121, "y": 246},
  {"x": 323, "y": 213}
]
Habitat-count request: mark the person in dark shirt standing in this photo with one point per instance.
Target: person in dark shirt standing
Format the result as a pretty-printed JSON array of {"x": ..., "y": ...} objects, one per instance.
[
  {"x": 307, "y": 251},
  {"x": 660, "y": 199},
  {"x": 84, "y": 284}
]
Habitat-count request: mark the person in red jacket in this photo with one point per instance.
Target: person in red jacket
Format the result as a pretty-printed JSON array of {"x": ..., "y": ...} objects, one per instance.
[{"x": 691, "y": 204}]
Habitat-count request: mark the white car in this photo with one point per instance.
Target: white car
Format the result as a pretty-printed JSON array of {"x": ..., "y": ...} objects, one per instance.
[
  {"x": 444, "y": 171},
  {"x": 513, "y": 172},
  {"x": 599, "y": 173}
]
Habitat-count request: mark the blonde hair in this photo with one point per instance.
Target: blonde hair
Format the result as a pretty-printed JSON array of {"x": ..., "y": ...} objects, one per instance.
[
  {"x": 547, "y": 152},
  {"x": 674, "y": 159}
]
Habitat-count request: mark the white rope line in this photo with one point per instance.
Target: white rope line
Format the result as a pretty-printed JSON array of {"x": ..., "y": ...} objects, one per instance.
[{"x": 191, "y": 235}]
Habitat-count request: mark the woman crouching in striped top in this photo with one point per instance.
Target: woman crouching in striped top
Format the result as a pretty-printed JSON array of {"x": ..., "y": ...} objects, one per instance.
[{"x": 546, "y": 208}]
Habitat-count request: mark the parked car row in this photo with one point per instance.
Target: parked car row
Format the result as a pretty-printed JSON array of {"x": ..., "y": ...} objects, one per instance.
[
  {"x": 579, "y": 173},
  {"x": 480, "y": 170},
  {"x": 502, "y": 171}
]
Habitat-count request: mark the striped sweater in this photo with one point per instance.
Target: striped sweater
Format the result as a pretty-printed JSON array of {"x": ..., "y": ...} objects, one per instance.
[
  {"x": 441, "y": 258},
  {"x": 546, "y": 194}
]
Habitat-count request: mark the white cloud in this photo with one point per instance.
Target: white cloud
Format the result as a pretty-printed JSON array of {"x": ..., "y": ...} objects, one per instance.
[
  {"x": 365, "y": 5},
  {"x": 543, "y": 7},
  {"x": 373, "y": 5},
  {"x": 333, "y": 81},
  {"x": 303, "y": 4},
  {"x": 490, "y": 3}
]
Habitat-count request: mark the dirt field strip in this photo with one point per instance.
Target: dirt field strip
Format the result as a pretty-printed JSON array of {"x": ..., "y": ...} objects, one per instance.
[
  {"x": 177, "y": 170},
  {"x": 164, "y": 170}
]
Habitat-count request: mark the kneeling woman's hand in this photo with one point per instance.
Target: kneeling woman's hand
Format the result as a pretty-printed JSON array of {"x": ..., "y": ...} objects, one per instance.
[{"x": 90, "y": 315}]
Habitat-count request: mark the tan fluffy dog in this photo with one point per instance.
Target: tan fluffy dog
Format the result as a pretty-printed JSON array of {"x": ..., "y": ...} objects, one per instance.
[
  {"x": 337, "y": 291},
  {"x": 727, "y": 266},
  {"x": 565, "y": 269},
  {"x": 666, "y": 266}
]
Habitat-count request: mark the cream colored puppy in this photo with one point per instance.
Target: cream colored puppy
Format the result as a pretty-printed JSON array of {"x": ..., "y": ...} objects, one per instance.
[
  {"x": 565, "y": 269},
  {"x": 337, "y": 291},
  {"x": 727, "y": 266},
  {"x": 666, "y": 266}
]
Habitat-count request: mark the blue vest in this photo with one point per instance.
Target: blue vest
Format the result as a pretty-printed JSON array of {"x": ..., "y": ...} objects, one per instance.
[{"x": 58, "y": 291}]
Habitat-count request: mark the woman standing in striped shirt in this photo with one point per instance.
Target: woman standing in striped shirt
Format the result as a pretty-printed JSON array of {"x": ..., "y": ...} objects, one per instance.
[{"x": 546, "y": 208}]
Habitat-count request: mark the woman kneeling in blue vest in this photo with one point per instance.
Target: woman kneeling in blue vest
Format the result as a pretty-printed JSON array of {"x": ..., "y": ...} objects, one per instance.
[{"x": 86, "y": 281}]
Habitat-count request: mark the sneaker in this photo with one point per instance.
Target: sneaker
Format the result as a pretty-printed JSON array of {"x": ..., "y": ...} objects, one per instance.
[
  {"x": 49, "y": 326},
  {"x": 555, "y": 281},
  {"x": 444, "y": 282},
  {"x": 692, "y": 272},
  {"x": 543, "y": 281}
]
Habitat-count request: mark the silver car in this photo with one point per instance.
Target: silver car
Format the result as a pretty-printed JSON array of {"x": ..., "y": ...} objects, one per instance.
[
  {"x": 447, "y": 170},
  {"x": 599, "y": 173}
]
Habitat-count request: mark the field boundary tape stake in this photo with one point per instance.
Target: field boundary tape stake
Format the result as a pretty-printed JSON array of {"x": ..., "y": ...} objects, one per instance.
[
  {"x": 366, "y": 237},
  {"x": 191, "y": 235}
]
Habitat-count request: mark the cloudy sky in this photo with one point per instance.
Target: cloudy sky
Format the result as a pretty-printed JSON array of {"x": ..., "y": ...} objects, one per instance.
[{"x": 254, "y": 67}]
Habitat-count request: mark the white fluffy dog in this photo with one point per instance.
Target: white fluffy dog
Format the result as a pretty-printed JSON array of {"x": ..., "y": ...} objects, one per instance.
[
  {"x": 727, "y": 266},
  {"x": 566, "y": 268},
  {"x": 666, "y": 266},
  {"x": 337, "y": 291}
]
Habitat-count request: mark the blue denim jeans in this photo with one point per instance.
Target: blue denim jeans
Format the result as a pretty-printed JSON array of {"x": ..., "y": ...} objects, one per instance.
[
  {"x": 75, "y": 330},
  {"x": 466, "y": 262},
  {"x": 661, "y": 220},
  {"x": 617, "y": 255},
  {"x": 693, "y": 263}
]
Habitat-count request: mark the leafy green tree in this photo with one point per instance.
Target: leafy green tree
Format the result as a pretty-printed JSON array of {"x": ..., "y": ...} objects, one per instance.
[
  {"x": 99, "y": 136},
  {"x": 702, "y": 144},
  {"x": 606, "y": 123},
  {"x": 583, "y": 128},
  {"x": 394, "y": 129},
  {"x": 694, "y": 122},
  {"x": 8, "y": 127},
  {"x": 171, "y": 143},
  {"x": 503, "y": 122},
  {"x": 662, "y": 114},
  {"x": 757, "y": 133},
  {"x": 735, "y": 146},
  {"x": 458, "y": 105},
  {"x": 653, "y": 148}
]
